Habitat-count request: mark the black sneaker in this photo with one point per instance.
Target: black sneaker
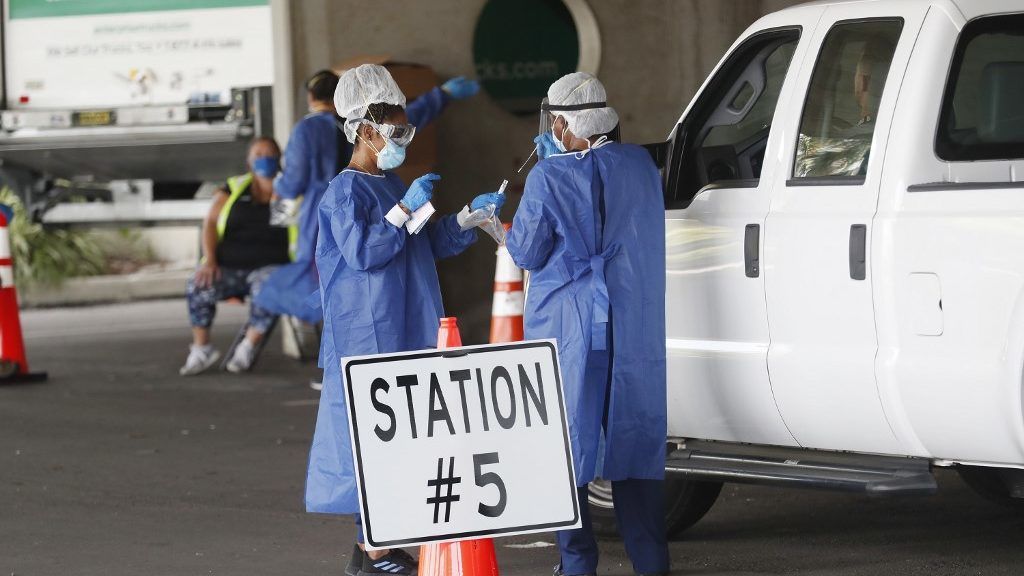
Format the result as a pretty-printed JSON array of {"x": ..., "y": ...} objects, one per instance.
[
  {"x": 397, "y": 561},
  {"x": 558, "y": 571},
  {"x": 355, "y": 562}
]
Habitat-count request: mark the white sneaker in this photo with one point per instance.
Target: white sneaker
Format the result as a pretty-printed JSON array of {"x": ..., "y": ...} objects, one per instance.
[
  {"x": 243, "y": 357},
  {"x": 200, "y": 359},
  {"x": 316, "y": 385}
]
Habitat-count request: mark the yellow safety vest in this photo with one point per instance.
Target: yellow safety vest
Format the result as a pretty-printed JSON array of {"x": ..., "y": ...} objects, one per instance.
[{"x": 237, "y": 185}]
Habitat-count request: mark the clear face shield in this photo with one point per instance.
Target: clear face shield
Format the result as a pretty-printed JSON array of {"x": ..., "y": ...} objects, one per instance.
[
  {"x": 547, "y": 119},
  {"x": 549, "y": 111}
]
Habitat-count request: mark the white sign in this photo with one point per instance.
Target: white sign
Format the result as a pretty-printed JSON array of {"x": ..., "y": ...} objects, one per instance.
[
  {"x": 137, "y": 58},
  {"x": 460, "y": 443}
]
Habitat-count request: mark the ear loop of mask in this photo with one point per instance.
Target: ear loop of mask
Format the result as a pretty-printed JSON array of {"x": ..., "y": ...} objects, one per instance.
[
  {"x": 374, "y": 120},
  {"x": 367, "y": 142},
  {"x": 565, "y": 128}
]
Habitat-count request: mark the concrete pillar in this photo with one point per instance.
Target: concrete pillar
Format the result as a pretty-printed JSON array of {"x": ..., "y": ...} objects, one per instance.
[
  {"x": 314, "y": 35},
  {"x": 281, "y": 29}
]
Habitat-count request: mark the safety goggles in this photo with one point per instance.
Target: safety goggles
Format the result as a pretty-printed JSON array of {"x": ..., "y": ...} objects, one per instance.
[{"x": 400, "y": 134}]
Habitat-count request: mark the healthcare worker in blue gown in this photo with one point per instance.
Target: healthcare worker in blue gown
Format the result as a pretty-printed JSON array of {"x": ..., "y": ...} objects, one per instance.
[
  {"x": 317, "y": 151},
  {"x": 591, "y": 230},
  {"x": 378, "y": 282}
]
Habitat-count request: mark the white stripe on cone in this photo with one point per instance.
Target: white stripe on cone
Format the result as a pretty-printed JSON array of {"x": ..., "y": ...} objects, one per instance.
[
  {"x": 508, "y": 304},
  {"x": 506, "y": 269},
  {"x": 6, "y": 277},
  {"x": 5, "y": 244}
]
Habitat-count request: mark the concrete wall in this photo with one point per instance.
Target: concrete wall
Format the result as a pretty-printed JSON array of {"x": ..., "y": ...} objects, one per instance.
[{"x": 655, "y": 54}]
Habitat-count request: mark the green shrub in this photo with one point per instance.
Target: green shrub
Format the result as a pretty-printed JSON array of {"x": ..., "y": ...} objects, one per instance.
[
  {"x": 47, "y": 257},
  {"x": 124, "y": 250}
]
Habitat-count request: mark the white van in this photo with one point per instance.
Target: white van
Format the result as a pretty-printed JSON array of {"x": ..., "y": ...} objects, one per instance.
[{"x": 845, "y": 230}]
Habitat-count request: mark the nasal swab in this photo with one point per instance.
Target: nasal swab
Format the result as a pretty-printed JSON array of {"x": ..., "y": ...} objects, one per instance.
[{"x": 527, "y": 160}]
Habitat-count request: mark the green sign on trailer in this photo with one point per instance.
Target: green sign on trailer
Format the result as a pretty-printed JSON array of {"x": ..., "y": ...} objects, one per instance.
[{"x": 53, "y": 9}]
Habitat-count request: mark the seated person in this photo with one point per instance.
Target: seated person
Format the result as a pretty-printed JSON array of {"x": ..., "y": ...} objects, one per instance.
[
  {"x": 240, "y": 250},
  {"x": 843, "y": 147}
]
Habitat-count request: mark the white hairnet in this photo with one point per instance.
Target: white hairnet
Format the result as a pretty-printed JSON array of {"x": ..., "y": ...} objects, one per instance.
[
  {"x": 582, "y": 88},
  {"x": 360, "y": 87}
]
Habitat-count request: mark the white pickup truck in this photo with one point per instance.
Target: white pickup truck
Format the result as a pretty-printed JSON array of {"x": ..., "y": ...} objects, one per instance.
[{"x": 845, "y": 231}]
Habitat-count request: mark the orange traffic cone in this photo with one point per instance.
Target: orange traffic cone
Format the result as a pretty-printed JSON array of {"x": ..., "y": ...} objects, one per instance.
[
  {"x": 448, "y": 334},
  {"x": 509, "y": 299},
  {"x": 13, "y": 363},
  {"x": 470, "y": 557}
]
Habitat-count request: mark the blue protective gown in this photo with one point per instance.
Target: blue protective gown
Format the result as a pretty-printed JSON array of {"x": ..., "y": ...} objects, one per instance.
[
  {"x": 380, "y": 294},
  {"x": 311, "y": 161},
  {"x": 600, "y": 291}
]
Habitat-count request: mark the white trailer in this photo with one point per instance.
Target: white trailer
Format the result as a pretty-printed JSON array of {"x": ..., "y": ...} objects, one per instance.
[{"x": 132, "y": 103}]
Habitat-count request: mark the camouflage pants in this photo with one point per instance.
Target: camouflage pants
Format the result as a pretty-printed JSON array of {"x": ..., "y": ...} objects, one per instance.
[{"x": 233, "y": 283}]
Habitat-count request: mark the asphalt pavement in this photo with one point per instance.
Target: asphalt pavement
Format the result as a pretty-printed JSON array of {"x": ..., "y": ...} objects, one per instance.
[{"x": 118, "y": 466}]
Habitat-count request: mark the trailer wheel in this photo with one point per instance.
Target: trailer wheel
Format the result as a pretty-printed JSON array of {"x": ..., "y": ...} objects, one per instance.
[{"x": 686, "y": 502}]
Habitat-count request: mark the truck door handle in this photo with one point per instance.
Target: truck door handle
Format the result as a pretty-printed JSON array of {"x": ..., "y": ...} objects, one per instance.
[
  {"x": 858, "y": 251},
  {"x": 752, "y": 250}
]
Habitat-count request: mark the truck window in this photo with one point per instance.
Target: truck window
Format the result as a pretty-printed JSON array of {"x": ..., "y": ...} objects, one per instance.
[
  {"x": 842, "y": 102},
  {"x": 760, "y": 116},
  {"x": 983, "y": 108},
  {"x": 723, "y": 139}
]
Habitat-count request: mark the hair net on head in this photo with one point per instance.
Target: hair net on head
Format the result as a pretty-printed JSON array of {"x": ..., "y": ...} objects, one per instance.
[
  {"x": 360, "y": 87},
  {"x": 582, "y": 88}
]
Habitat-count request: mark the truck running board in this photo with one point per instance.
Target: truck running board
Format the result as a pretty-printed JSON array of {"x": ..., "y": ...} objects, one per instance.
[{"x": 801, "y": 468}]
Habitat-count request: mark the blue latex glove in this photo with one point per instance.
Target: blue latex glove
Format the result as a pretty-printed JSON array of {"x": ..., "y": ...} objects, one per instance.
[
  {"x": 546, "y": 145},
  {"x": 484, "y": 200},
  {"x": 461, "y": 87},
  {"x": 420, "y": 192}
]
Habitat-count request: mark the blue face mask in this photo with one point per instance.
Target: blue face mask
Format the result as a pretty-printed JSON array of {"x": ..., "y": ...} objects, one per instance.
[
  {"x": 391, "y": 156},
  {"x": 266, "y": 166}
]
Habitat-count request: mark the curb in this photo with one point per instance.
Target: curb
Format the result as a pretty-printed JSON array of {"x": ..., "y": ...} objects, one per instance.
[{"x": 109, "y": 289}]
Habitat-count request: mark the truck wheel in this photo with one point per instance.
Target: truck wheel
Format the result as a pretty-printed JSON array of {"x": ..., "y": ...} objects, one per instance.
[
  {"x": 994, "y": 484},
  {"x": 686, "y": 502}
]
